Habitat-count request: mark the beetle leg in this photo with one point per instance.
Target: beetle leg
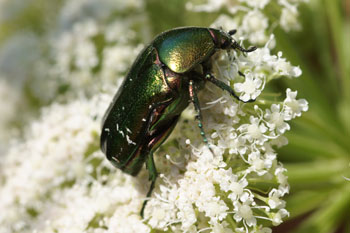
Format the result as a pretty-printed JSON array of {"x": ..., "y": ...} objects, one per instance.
[
  {"x": 224, "y": 87},
  {"x": 195, "y": 101},
  {"x": 152, "y": 177}
]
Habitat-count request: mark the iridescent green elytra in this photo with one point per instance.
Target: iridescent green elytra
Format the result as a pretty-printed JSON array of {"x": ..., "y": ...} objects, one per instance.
[{"x": 161, "y": 83}]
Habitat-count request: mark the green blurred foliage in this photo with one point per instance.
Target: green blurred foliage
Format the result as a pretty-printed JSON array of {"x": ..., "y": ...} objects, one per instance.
[{"x": 318, "y": 154}]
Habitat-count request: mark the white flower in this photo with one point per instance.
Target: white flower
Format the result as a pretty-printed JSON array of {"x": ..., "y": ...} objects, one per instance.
[
  {"x": 238, "y": 145},
  {"x": 254, "y": 132},
  {"x": 254, "y": 25},
  {"x": 283, "y": 67},
  {"x": 277, "y": 217},
  {"x": 229, "y": 183},
  {"x": 282, "y": 179},
  {"x": 262, "y": 229},
  {"x": 250, "y": 88},
  {"x": 210, "y": 6},
  {"x": 275, "y": 119},
  {"x": 274, "y": 200},
  {"x": 289, "y": 15},
  {"x": 256, "y": 3},
  {"x": 85, "y": 54},
  {"x": 294, "y": 107},
  {"x": 259, "y": 164},
  {"x": 117, "y": 59},
  {"x": 243, "y": 211},
  {"x": 289, "y": 19},
  {"x": 264, "y": 61},
  {"x": 224, "y": 227},
  {"x": 227, "y": 23}
]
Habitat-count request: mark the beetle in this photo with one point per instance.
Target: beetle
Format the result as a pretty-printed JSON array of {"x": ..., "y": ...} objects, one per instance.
[{"x": 163, "y": 80}]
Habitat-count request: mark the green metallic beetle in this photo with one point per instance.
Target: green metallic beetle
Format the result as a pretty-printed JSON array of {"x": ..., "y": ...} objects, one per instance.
[{"x": 161, "y": 83}]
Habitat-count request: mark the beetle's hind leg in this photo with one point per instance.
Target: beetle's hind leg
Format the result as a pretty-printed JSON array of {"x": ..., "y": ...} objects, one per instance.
[
  {"x": 153, "y": 174},
  {"x": 224, "y": 86},
  {"x": 195, "y": 101},
  {"x": 159, "y": 135}
]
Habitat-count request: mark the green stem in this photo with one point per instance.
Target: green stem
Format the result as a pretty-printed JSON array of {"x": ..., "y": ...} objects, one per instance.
[{"x": 230, "y": 220}]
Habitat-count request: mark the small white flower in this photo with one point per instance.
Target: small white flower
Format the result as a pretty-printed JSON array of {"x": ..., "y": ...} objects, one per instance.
[
  {"x": 250, "y": 88},
  {"x": 277, "y": 217},
  {"x": 216, "y": 210},
  {"x": 243, "y": 211},
  {"x": 210, "y": 6},
  {"x": 223, "y": 227},
  {"x": 274, "y": 200},
  {"x": 238, "y": 145},
  {"x": 275, "y": 119},
  {"x": 256, "y": 3},
  {"x": 294, "y": 107},
  {"x": 254, "y": 25},
  {"x": 289, "y": 19},
  {"x": 259, "y": 164},
  {"x": 262, "y": 229},
  {"x": 282, "y": 179},
  {"x": 117, "y": 59},
  {"x": 186, "y": 214},
  {"x": 283, "y": 67},
  {"x": 254, "y": 132},
  {"x": 226, "y": 22}
]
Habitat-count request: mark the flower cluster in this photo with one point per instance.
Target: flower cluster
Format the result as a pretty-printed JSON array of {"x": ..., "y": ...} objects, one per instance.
[
  {"x": 254, "y": 18},
  {"x": 56, "y": 179},
  {"x": 214, "y": 191},
  {"x": 90, "y": 49}
]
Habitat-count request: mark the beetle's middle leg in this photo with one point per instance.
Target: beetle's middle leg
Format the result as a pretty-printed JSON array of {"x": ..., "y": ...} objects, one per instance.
[
  {"x": 224, "y": 87},
  {"x": 195, "y": 101}
]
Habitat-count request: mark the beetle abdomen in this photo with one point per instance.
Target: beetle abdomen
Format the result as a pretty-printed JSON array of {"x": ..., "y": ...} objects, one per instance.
[
  {"x": 183, "y": 48},
  {"x": 124, "y": 127}
]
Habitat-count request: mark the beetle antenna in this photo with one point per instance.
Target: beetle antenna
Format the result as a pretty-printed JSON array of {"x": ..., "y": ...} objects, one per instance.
[{"x": 240, "y": 48}]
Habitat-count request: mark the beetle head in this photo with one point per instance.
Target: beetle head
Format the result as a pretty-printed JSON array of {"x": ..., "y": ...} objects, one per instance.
[{"x": 224, "y": 40}]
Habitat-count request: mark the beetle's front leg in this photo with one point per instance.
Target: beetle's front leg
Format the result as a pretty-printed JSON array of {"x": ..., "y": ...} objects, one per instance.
[
  {"x": 224, "y": 87},
  {"x": 195, "y": 101},
  {"x": 152, "y": 177}
]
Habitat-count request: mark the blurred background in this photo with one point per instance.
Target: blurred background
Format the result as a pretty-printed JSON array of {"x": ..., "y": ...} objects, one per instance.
[{"x": 46, "y": 56}]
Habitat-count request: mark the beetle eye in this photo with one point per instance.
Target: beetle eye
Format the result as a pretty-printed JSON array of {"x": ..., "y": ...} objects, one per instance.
[{"x": 226, "y": 44}]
